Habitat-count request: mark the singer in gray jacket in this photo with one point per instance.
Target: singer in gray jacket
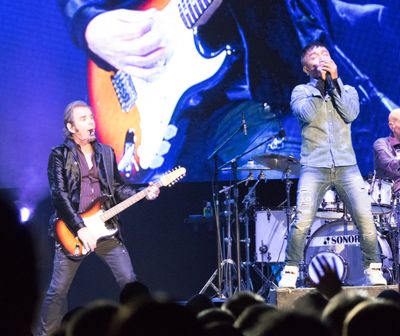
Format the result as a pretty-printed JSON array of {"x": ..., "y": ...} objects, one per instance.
[{"x": 325, "y": 109}]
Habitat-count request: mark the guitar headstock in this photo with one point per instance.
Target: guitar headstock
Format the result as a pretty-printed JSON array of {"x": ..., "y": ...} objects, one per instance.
[{"x": 172, "y": 176}]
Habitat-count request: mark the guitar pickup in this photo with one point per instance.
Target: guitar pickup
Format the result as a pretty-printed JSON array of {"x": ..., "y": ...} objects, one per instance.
[{"x": 125, "y": 90}]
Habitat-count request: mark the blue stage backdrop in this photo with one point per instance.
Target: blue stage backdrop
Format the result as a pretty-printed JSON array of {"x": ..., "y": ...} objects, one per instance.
[{"x": 242, "y": 64}]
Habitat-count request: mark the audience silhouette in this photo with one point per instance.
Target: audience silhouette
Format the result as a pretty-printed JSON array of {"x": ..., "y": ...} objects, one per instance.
[
  {"x": 327, "y": 310},
  {"x": 18, "y": 283}
]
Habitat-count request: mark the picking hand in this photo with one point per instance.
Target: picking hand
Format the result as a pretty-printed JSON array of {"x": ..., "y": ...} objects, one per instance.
[
  {"x": 89, "y": 242},
  {"x": 132, "y": 41}
]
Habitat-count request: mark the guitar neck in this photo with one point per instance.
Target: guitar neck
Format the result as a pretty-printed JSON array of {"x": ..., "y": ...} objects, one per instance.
[
  {"x": 115, "y": 210},
  {"x": 195, "y": 13}
]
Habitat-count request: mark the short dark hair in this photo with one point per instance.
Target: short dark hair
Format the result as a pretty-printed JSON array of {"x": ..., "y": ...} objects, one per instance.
[
  {"x": 68, "y": 114},
  {"x": 310, "y": 46}
]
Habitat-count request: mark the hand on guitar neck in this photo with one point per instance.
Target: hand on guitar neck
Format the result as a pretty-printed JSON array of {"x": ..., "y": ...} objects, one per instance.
[{"x": 152, "y": 191}]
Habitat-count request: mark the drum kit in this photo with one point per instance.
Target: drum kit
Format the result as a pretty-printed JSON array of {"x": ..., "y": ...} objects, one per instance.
[
  {"x": 257, "y": 170},
  {"x": 333, "y": 234}
]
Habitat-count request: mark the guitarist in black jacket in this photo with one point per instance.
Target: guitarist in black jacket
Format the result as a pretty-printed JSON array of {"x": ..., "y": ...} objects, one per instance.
[{"x": 80, "y": 171}]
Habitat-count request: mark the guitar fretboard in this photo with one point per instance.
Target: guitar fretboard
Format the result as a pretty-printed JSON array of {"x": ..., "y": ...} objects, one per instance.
[
  {"x": 115, "y": 210},
  {"x": 196, "y": 12},
  {"x": 165, "y": 180}
]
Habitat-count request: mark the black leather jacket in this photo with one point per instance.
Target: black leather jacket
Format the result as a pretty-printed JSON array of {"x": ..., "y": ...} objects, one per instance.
[{"x": 65, "y": 182}]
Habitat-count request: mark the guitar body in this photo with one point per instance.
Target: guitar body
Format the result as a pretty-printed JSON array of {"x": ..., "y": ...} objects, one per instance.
[
  {"x": 70, "y": 243},
  {"x": 188, "y": 71}
]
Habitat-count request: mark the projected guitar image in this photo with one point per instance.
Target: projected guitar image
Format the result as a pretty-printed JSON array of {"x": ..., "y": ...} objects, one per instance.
[
  {"x": 95, "y": 218},
  {"x": 134, "y": 115}
]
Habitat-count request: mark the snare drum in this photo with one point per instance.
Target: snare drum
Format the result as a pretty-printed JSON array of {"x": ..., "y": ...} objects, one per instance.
[
  {"x": 380, "y": 193},
  {"x": 331, "y": 207}
]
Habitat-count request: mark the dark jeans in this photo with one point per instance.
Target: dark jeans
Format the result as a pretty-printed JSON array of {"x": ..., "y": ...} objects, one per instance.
[{"x": 54, "y": 307}]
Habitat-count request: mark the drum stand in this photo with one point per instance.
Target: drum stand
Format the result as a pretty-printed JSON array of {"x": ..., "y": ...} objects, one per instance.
[
  {"x": 267, "y": 282},
  {"x": 249, "y": 202},
  {"x": 227, "y": 266},
  {"x": 227, "y": 263},
  {"x": 288, "y": 211},
  {"x": 394, "y": 238},
  {"x": 288, "y": 186}
]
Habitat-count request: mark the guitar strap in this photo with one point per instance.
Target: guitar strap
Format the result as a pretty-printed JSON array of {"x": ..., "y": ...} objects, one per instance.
[{"x": 108, "y": 164}]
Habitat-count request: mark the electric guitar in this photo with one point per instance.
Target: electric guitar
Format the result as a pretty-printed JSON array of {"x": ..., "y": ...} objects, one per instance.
[
  {"x": 133, "y": 115},
  {"x": 95, "y": 218}
]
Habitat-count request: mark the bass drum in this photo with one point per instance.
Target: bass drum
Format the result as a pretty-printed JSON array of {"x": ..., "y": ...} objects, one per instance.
[{"x": 339, "y": 242}]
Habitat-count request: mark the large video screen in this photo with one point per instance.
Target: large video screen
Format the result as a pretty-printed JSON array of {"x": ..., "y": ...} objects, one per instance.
[{"x": 222, "y": 97}]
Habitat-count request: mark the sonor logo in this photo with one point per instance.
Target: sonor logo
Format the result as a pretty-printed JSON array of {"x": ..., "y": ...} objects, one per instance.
[
  {"x": 342, "y": 240},
  {"x": 353, "y": 239}
]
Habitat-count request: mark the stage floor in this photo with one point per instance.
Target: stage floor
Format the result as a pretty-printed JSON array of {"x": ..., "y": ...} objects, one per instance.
[{"x": 284, "y": 297}]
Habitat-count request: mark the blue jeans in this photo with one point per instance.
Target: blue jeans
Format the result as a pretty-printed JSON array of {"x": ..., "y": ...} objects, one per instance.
[
  {"x": 111, "y": 251},
  {"x": 349, "y": 185}
]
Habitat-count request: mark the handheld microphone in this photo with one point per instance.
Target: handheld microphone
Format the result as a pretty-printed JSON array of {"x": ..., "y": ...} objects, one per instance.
[
  {"x": 244, "y": 125},
  {"x": 329, "y": 83}
]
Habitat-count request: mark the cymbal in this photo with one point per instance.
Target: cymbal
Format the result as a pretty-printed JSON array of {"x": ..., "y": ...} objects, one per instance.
[
  {"x": 279, "y": 162},
  {"x": 249, "y": 165}
]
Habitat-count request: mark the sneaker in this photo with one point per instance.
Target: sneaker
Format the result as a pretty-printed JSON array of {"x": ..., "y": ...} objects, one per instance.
[
  {"x": 289, "y": 277},
  {"x": 374, "y": 275}
]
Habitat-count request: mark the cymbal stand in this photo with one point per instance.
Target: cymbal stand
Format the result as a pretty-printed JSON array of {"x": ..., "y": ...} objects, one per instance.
[
  {"x": 288, "y": 186},
  {"x": 249, "y": 201},
  {"x": 237, "y": 226},
  {"x": 226, "y": 265},
  {"x": 288, "y": 212},
  {"x": 215, "y": 193}
]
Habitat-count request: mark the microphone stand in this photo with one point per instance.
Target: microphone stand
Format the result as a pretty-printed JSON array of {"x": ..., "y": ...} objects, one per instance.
[{"x": 280, "y": 134}]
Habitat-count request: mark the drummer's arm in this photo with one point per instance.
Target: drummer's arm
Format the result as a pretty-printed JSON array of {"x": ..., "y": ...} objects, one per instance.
[{"x": 385, "y": 160}]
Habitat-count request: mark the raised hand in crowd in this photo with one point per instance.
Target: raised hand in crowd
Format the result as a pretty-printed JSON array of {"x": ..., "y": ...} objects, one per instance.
[{"x": 329, "y": 283}]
